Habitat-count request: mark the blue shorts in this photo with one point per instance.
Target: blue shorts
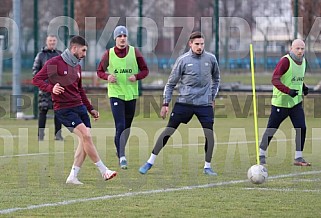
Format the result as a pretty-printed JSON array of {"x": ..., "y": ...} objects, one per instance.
[
  {"x": 183, "y": 113},
  {"x": 72, "y": 117}
]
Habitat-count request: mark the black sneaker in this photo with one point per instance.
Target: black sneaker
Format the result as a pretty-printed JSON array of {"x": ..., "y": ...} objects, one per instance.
[
  {"x": 262, "y": 160},
  {"x": 301, "y": 162},
  {"x": 59, "y": 138}
]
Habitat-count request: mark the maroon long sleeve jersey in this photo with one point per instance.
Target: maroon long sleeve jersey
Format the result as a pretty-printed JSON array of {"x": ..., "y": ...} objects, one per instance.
[
  {"x": 56, "y": 70},
  {"x": 121, "y": 53},
  {"x": 280, "y": 69}
]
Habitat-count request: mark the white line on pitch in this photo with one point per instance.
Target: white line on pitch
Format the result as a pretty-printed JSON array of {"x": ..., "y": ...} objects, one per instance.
[
  {"x": 307, "y": 180},
  {"x": 31, "y": 154},
  {"x": 283, "y": 189},
  {"x": 131, "y": 194},
  {"x": 294, "y": 174},
  {"x": 9, "y": 136}
]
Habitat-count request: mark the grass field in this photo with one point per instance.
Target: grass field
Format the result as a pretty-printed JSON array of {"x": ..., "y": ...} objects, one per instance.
[{"x": 33, "y": 173}]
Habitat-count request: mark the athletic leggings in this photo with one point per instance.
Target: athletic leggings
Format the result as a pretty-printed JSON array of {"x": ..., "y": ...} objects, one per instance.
[
  {"x": 171, "y": 128},
  {"x": 42, "y": 123},
  {"x": 123, "y": 113},
  {"x": 278, "y": 115}
]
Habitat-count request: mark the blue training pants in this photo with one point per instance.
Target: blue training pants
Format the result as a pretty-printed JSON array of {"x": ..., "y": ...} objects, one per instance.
[{"x": 123, "y": 113}]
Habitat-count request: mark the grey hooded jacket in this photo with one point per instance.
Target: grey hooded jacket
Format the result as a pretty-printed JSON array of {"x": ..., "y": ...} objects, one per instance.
[{"x": 197, "y": 77}]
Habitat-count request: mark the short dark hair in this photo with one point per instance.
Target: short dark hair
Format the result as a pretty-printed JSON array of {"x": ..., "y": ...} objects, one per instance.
[
  {"x": 52, "y": 35},
  {"x": 196, "y": 35},
  {"x": 78, "y": 40}
]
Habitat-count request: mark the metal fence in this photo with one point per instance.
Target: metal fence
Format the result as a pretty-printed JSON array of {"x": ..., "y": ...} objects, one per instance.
[{"x": 165, "y": 31}]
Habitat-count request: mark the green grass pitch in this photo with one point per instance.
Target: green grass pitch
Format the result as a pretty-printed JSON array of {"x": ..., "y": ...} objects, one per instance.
[{"x": 33, "y": 173}]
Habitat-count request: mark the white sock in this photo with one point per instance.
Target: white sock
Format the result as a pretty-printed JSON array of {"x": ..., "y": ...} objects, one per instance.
[
  {"x": 298, "y": 154},
  {"x": 207, "y": 165},
  {"x": 74, "y": 171},
  {"x": 152, "y": 159},
  {"x": 262, "y": 152},
  {"x": 122, "y": 158},
  {"x": 101, "y": 166}
]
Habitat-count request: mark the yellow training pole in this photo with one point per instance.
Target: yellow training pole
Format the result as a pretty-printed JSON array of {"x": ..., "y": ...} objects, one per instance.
[{"x": 254, "y": 106}]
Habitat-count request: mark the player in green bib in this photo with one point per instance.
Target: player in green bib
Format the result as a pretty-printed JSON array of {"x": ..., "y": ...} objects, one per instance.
[
  {"x": 123, "y": 69},
  {"x": 288, "y": 91},
  {"x": 122, "y": 66}
]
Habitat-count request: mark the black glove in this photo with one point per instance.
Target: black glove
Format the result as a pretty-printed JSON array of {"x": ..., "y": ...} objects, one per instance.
[
  {"x": 305, "y": 90},
  {"x": 293, "y": 93}
]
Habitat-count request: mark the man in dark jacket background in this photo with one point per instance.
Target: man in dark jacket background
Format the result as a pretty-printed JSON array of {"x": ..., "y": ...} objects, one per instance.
[{"x": 44, "y": 100}]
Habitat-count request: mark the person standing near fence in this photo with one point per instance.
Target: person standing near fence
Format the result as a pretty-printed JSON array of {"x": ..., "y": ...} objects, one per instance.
[
  {"x": 44, "y": 99},
  {"x": 122, "y": 66},
  {"x": 198, "y": 77},
  {"x": 288, "y": 91},
  {"x": 61, "y": 76}
]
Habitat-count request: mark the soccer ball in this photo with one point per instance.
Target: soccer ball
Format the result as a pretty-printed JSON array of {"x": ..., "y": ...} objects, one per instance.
[{"x": 257, "y": 174}]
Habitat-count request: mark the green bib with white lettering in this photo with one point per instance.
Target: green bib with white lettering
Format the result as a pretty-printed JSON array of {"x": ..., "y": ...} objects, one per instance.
[
  {"x": 293, "y": 79},
  {"x": 122, "y": 69}
]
